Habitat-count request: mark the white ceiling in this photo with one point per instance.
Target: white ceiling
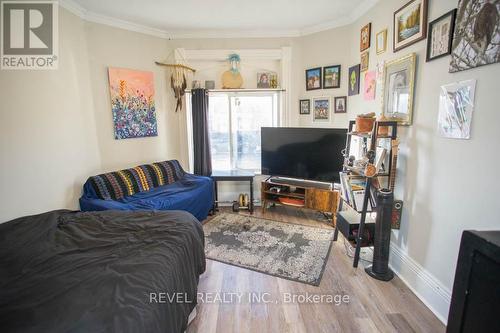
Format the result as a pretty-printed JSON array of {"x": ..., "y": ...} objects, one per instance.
[{"x": 222, "y": 18}]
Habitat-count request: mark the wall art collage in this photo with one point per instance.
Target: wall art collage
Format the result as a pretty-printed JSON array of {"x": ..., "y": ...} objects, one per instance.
[{"x": 470, "y": 34}]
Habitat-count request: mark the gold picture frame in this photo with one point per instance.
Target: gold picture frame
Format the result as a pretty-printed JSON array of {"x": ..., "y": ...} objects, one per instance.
[
  {"x": 399, "y": 88},
  {"x": 381, "y": 41},
  {"x": 365, "y": 37},
  {"x": 365, "y": 61}
]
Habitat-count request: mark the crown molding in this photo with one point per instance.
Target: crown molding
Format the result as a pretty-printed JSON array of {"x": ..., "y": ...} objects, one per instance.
[
  {"x": 90, "y": 16},
  {"x": 191, "y": 34},
  {"x": 221, "y": 55},
  {"x": 126, "y": 25},
  {"x": 357, "y": 13},
  {"x": 73, "y": 7}
]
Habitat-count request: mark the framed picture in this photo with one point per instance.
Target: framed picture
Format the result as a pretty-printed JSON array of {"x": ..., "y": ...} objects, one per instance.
[
  {"x": 370, "y": 83},
  {"x": 476, "y": 42},
  {"x": 456, "y": 106},
  {"x": 321, "y": 109},
  {"x": 410, "y": 24},
  {"x": 399, "y": 85},
  {"x": 353, "y": 86},
  {"x": 381, "y": 41},
  {"x": 331, "y": 77},
  {"x": 440, "y": 36},
  {"x": 305, "y": 106},
  {"x": 364, "y": 41},
  {"x": 313, "y": 78},
  {"x": 364, "y": 61},
  {"x": 266, "y": 80},
  {"x": 340, "y": 104}
]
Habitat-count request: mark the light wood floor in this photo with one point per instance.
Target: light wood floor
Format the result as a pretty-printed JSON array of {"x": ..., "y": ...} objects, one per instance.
[{"x": 374, "y": 306}]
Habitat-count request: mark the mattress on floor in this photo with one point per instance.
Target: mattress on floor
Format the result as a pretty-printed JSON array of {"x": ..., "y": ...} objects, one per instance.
[{"x": 68, "y": 271}]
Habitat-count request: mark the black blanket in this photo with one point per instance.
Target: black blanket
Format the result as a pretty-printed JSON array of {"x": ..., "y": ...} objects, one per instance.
[{"x": 94, "y": 272}]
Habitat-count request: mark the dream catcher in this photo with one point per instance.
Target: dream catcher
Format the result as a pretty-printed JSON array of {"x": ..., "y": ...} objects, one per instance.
[{"x": 180, "y": 71}]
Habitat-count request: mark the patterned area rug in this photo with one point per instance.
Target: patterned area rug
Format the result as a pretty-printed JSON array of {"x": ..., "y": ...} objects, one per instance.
[{"x": 289, "y": 251}]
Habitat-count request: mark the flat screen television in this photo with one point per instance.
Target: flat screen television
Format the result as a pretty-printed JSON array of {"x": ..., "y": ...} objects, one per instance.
[{"x": 304, "y": 153}]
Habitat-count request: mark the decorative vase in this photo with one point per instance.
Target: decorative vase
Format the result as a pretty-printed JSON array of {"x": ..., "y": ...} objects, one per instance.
[
  {"x": 232, "y": 78},
  {"x": 383, "y": 130},
  {"x": 364, "y": 125}
]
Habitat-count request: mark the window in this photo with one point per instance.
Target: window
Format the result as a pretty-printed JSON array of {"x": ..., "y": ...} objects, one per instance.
[{"x": 235, "y": 119}]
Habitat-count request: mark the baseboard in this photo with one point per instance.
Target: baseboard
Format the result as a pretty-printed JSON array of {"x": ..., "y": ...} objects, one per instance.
[{"x": 423, "y": 284}]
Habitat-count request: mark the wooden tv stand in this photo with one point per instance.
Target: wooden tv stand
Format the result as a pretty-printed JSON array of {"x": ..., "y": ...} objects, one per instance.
[{"x": 322, "y": 200}]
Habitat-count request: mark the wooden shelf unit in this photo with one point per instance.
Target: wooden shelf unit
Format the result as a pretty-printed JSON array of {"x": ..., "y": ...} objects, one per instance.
[{"x": 321, "y": 200}]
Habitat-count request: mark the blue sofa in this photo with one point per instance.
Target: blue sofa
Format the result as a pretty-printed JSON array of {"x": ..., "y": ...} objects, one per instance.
[{"x": 157, "y": 186}]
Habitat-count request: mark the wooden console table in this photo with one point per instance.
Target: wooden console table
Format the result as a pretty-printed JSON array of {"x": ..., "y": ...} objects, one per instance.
[{"x": 321, "y": 200}]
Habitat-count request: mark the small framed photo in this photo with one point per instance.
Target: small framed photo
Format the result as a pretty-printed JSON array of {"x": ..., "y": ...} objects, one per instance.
[
  {"x": 340, "y": 104},
  {"x": 313, "y": 78},
  {"x": 410, "y": 24},
  {"x": 440, "y": 36},
  {"x": 381, "y": 41},
  {"x": 364, "y": 61},
  {"x": 264, "y": 80},
  {"x": 305, "y": 106},
  {"x": 353, "y": 81},
  {"x": 321, "y": 109},
  {"x": 331, "y": 77},
  {"x": 364, "y": 42}
]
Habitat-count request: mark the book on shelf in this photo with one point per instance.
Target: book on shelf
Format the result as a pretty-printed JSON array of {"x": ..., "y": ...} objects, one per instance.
[
  {"x": 353, "y": 191},
  {"x": 359, "y": 195},
  {"x": 380, "y": 155},
  {"x": 343, "y": 186}
]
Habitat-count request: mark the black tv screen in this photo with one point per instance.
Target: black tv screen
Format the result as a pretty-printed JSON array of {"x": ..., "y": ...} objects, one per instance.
[{"x": 304, "y": 153}]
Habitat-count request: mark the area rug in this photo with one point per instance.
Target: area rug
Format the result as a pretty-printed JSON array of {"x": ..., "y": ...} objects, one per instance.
[{"x": 290, "y": 251}]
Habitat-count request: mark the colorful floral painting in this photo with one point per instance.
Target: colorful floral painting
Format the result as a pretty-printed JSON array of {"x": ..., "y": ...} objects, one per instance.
[{"x": 132, "y": 103}]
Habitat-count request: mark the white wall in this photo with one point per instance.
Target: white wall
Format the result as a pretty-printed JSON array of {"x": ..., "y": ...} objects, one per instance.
[
  {"x": 112, "y": 47},
  {"x": 48, "y": 143},
  {"x": 326, "y": 48},
  {"x": 447, "y": 185}
]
